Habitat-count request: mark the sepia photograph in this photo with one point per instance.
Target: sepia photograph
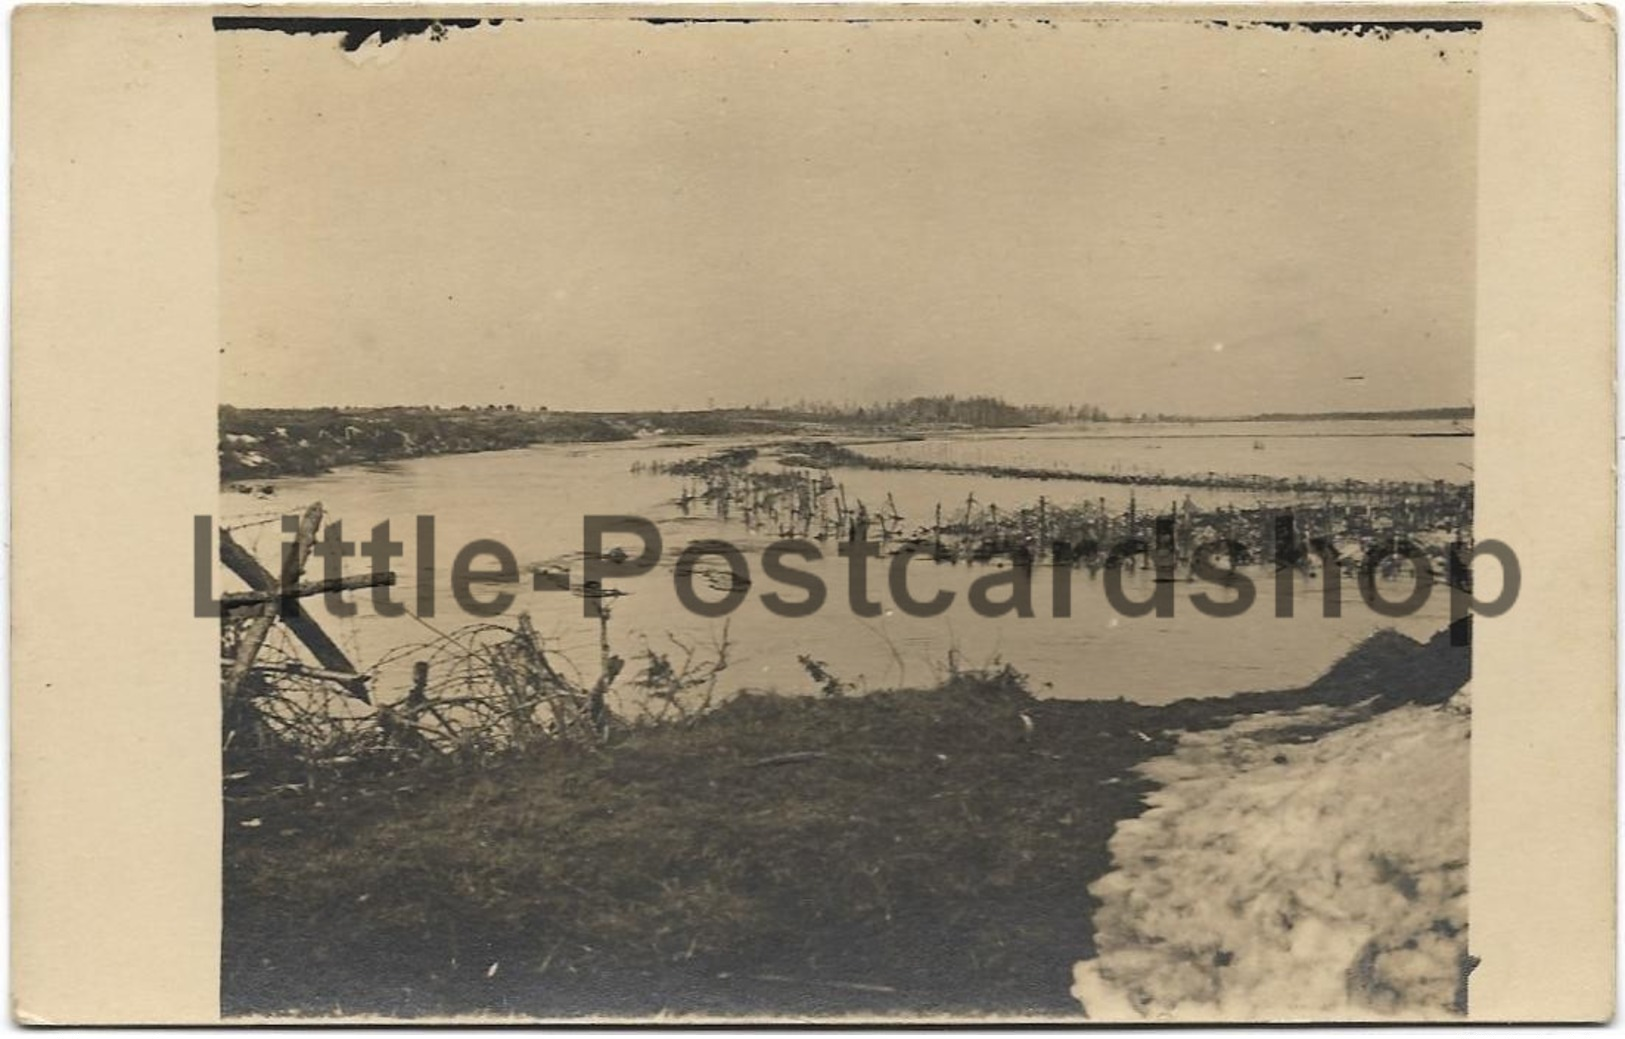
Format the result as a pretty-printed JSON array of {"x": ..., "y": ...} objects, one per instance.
[
  {"x": 846, "y": 518},
  {"x": 812, "y": 515}
]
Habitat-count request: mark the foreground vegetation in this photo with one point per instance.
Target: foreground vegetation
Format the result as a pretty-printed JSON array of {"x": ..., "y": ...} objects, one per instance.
[{"x": 902, "y": 852}]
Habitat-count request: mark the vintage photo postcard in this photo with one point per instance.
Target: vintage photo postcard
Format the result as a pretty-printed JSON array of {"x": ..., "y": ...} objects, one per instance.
[{"x": 1064, "y": 514}]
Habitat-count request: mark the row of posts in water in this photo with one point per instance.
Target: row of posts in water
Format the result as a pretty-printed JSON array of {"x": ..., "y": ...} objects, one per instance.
[{"x": 813, "y": 505}]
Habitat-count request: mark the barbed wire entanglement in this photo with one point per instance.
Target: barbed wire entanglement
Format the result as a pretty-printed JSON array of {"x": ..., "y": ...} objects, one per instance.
[{"x": 479, "y": 690}]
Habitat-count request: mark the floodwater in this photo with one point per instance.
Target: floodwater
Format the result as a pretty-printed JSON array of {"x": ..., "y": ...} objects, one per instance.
[
  {"x": 1417, "y": 451},
  {"x": 533, "y": 501}
]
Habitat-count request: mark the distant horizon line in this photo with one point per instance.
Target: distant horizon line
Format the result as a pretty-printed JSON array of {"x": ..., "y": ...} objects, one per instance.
[{"x": 1434, "y": 411}]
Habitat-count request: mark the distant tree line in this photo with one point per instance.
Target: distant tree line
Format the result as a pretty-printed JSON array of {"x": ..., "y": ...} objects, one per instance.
[{"x": 950, "y": 410}]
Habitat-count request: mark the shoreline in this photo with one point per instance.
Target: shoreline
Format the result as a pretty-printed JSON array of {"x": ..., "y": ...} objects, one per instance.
[
  {"x": 909, "y": 852},
  {"x": 258, "y": 443},
  {"x": 266, "y": 444}
]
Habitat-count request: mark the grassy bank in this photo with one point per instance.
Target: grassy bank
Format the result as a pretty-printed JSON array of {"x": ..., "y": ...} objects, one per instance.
[{"x": 903, "y": 852}]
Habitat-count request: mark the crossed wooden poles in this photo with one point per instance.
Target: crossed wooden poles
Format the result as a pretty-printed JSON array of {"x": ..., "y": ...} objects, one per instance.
[{"x": 271, "y": 599}]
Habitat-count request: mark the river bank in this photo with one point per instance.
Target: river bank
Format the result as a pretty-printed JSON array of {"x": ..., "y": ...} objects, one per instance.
[
  {"x": 270, "y": 442},
  {"x": 912, "y": 852},
  {"x": 260, "y": 443}
]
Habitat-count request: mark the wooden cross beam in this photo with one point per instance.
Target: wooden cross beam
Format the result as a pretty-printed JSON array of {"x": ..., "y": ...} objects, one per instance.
[
  {"x": 239, "y": 600},
  {"x": 271, "y": 598}
]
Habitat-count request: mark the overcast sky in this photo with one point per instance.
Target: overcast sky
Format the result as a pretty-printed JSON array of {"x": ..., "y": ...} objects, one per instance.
[{"x": 601, "y": 215}]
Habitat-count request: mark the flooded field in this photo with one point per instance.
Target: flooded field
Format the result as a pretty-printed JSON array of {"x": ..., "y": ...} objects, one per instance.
[{"x": 533, "y": 501}]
